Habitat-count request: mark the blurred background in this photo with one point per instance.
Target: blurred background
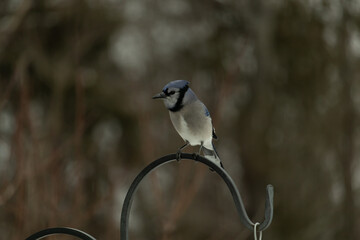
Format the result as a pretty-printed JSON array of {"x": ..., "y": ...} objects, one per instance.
[{"x": 77, "y": 122}]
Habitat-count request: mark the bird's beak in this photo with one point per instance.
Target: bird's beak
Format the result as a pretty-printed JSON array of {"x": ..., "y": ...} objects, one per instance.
[{"x": 159, "y": 95}]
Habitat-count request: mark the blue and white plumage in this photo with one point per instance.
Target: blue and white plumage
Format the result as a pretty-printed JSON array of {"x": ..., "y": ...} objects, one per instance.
[{"x": 190, "y": 117}]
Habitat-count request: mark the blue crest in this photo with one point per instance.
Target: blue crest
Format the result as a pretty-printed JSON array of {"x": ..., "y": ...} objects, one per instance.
[{"x": 180, "y": 84}]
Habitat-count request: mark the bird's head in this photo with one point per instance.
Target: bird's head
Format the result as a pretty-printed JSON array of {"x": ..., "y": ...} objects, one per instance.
[{"x": 173, "y": 94}]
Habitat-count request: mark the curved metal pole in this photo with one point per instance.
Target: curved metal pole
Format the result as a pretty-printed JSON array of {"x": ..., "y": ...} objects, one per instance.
[
  {"x": 269, "y": 208},
  {"x": 60, "y": 230}
]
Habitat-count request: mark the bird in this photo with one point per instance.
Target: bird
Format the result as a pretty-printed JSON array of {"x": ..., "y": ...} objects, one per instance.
[{"x": 190, "y": 118}]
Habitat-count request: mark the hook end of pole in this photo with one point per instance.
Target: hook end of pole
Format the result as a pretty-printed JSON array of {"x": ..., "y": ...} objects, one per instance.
[
  {"x": 270, "y": 191},
  {"x": 269, "y": 207}
]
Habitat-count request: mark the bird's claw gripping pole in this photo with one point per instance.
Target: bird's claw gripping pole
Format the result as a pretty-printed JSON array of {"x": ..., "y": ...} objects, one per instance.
[{"x": 269, "y": 207}]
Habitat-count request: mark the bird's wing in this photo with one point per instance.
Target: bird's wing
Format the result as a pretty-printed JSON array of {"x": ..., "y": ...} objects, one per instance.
[
  {"x": 207, "y": 113},
  {"x": 214, "y": 134}
]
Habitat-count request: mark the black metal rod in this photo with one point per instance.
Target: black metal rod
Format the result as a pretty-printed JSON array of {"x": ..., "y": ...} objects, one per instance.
[
  {"x": 269, "y": 208},
  {"x": 60, "y": 230}
]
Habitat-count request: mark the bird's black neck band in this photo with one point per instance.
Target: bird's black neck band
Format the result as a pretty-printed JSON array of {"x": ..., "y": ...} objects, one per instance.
[{"x": 179, "y": 104}]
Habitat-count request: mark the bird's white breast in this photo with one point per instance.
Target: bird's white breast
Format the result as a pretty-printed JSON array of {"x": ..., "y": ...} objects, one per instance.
[
  {"x": 187, "y": 134},
  {"x": 192, "y": 126}
]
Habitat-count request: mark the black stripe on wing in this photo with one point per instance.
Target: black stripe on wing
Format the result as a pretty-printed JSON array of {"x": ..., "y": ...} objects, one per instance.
[{"x": 214, "y": 134}]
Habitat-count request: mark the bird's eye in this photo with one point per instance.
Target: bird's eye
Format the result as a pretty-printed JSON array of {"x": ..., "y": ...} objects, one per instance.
[{"x": 171, "y": 92}]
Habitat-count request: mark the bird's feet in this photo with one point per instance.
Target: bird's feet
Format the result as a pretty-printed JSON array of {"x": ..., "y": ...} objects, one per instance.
[
  {"x": 195, "y": 157},
  {"x": 178, "y": 155}
]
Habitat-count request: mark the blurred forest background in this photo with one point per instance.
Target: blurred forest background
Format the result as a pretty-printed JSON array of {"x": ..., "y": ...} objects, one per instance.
[{"x": 77, "y": 122}]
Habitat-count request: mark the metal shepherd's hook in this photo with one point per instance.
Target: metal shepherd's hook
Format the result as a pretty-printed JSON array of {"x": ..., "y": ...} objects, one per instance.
[{"x": 269, "y": 208}]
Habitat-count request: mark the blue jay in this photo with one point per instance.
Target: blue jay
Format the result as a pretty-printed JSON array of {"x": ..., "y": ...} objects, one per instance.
[{"x": 190, "y": 118}]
